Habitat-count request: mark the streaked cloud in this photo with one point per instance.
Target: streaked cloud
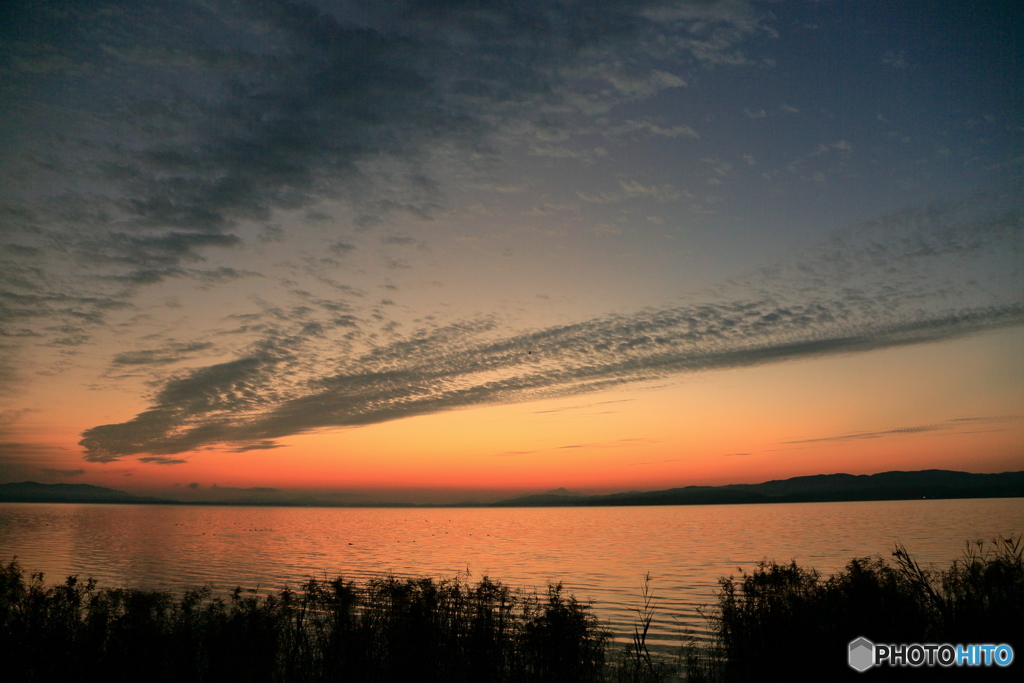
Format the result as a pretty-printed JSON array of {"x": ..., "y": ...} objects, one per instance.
[
  {"x": 171, "y": 354},
  {"x": 839, "y": 298},
  {"x": 195, "y": 119},
  {"x": 162, "y": 460},
  {"x": 264, "y": 219},
  {"x": 956, "y": 425}
]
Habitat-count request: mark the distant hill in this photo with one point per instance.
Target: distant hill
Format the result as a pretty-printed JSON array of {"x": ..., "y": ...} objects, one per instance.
[
  {"x": 34, "y": 492},
  {"x": 816, "y": 488}
]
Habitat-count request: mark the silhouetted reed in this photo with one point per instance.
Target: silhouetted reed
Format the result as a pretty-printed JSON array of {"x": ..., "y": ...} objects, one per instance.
[
  {"x": 781, "y": 622},
  {"x": 637, "y": 664},
  {"x": 390, "y": 630},
  {"x": 785, "y": 621}
]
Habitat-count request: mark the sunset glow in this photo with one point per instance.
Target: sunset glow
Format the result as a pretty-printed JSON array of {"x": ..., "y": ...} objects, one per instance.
[{"x": 427, "y": 252}]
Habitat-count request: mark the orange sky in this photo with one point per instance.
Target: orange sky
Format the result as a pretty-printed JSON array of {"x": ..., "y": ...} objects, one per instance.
[
  {"x": 507, "y": 249},
  {"x": 906, "y": 408}
]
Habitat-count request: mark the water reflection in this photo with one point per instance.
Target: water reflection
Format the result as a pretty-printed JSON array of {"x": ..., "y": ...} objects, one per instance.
[{"x": 600, "y": 554}]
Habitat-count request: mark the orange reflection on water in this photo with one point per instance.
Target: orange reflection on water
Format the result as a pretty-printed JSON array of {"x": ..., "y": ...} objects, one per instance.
[{"x": 600, "y": 554}]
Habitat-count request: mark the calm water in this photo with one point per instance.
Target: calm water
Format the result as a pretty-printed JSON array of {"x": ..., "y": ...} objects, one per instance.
[{"x": 600, "y": 554}]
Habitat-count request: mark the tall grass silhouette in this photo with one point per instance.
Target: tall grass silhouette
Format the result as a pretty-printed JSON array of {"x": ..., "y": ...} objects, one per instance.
[
  {"x": 785, "y": 620},
  {"x": 780, "y": 622},
  {"x": 390, "y": 630}
]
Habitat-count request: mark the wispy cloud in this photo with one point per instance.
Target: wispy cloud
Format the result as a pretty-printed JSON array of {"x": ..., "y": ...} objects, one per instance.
[
  {"x": 151, "y": 146},
  {"x": 838, "y": 298},
  {"x": 251, "y": 489},
  {"x": 162, "y": 460},
  {"x": 263, "y": 445},
  {"x": 172, "y": 353},
  {"x": 632, "y": 189},
  {"x": 193, "y": 119},
  {"x": 584, "y": 406},
  {"x": 647, "y": 127},
  {"x": 870, "y": 435},
  {"x": 957, "y": 425},
  {"x": 616, "y": 443},
  {"x": 509, "y": 454}
]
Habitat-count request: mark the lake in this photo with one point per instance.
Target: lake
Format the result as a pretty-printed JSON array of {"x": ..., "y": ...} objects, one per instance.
[{"x": 600, "y": 554}]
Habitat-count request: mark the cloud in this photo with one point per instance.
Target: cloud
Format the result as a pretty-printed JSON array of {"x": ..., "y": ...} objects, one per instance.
[
  {"x": 643, "y": 85},
  {"x": 251, "y": 489},
  {"x": 176, "y": 131},
  {"x": 12, "y": 416},
  {"x": 897, "y": 60},
  {"x": 23, "y": 460},
  {"x": 291, "y": 94},
  {"x": 341, "y": 248},
  {"x": 617, "y": 443},
  {"x": 581, "y": 407},
  {"x": 869, "y": 287},
  {"x": 263, "y": 445},
  {"x": 651, "y": 128},
  {"x": 510, "y": 454},
  {"x": 167, "y": 355},
  {"x": 585, "y": 156},
  {"x": 870, "y": 435},
  {"x": 957, "y": 425},
  {"x": 177, "y": 128},
  {"x": 162, "y": 460},
  {"x": 62, "y": 474},
  {"x": 220, "y": 274},
  {"x": 631, "y": 189},
  {"x": 22, "y": 251}
]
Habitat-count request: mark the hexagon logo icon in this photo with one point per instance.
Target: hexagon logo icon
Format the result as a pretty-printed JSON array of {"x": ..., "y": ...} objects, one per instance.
[{"x": 862, "y": 654}]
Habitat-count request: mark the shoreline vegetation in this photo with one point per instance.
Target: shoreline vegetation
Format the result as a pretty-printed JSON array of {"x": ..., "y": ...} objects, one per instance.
[
  {"x": 780, "y": 622},
  {"x": 820, "y": 488}
]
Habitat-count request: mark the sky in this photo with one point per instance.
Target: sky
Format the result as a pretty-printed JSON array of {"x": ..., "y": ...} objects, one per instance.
[{"x": 442, "y": 250}]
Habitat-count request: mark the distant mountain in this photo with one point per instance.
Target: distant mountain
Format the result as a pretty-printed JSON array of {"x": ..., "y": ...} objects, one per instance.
[
  {"x": 817, "y": 488},
  {"x": 545, "y": 500},
  {"x": 562, "y": 491},
  {"x": 34, "y": 492}
]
